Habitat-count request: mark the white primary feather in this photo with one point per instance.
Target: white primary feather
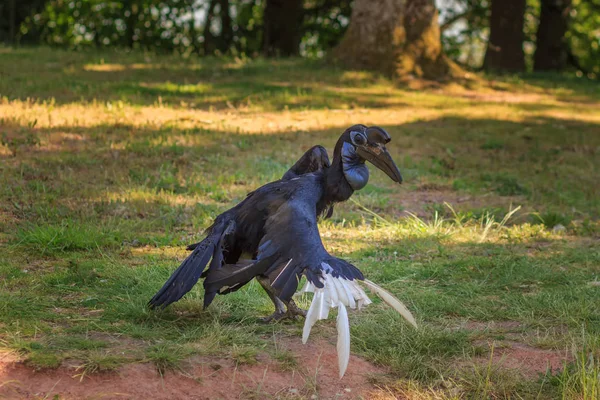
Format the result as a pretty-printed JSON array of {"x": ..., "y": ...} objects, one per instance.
[
  {"x": 325, "y": 304},
  {"x": 346, "y": 285},
  {"x": 309, "y": 287},
  {"x": 312, "y": 315},
  {"x": 359, "y": 294},
  {"x": 341, "y": 292},
  {"x": 391, "y": 301},
  {"x": 332, "y": 291},
  {"x": 343, "y": 341}
]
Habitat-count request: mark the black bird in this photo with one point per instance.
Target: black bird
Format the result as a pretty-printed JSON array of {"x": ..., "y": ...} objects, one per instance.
[
  {"x": 315, "y": 159},
  {"x": 277, "y": 224}
]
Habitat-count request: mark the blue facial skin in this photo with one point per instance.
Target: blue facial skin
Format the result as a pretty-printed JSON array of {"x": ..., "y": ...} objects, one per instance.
[{"x": 355, "y": 170}]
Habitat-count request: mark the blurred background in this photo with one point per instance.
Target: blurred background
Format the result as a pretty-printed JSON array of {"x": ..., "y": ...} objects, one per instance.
[{"x": 499, "y": 35}]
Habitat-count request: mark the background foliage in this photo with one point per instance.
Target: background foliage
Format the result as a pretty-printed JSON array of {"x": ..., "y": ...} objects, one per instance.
[{"x": 187, "y": 26}]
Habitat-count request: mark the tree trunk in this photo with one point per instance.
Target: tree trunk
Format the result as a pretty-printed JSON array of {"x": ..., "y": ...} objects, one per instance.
[
  {"x": 552, "y": 51},
  {"x": 282, "y": 27},
  {"x": 194, "y": 33},
  {"x": 208, "y": 37},
  {"x": 131, "y": 22},
  {"x": 397, "y": 38},
  {"x": 505, "y": 45},
  {"x": 13, "y": 22},
  {"x": 12, "y": 14},
  {"x": 226, "y": 27}
]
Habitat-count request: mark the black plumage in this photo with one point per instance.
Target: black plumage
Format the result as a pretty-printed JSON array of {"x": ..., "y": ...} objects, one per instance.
[{"x": 277, "y": 224}]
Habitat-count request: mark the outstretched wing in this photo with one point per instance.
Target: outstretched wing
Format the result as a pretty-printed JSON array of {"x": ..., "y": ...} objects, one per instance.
[
  {"x": 291, "y": 248},
  {"x": 294, "y": 248},
  {"x": 291, "y": 239}
]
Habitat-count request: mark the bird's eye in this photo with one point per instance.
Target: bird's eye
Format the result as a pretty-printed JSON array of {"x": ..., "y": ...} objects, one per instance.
[{"x": 358, "y": 138}]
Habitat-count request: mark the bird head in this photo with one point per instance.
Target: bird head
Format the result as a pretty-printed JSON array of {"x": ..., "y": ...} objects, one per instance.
[{"x": 361, "y": 143}]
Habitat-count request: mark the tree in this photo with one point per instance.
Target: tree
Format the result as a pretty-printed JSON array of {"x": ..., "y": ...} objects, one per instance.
[
  {"x": 505, "y": 46},
  {"x": 397, "y": 38},
  {"x": 325, "y": 22},
  {"x": 226, "y": 27},
  {"x": 282, "y": 27},
  {"x": 552, "y": 50},
  {"x": 12, "y": 14},
  {"x": 584, "y": 46},
  {"x": 465, "y": 26},
  {"x": 131, "y": 18},
  {"x": 224, "y": 39},
  {"x": 208, "y": 36}
]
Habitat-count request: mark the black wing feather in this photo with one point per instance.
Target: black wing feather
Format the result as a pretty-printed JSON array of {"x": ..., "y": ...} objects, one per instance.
[
  {"x": 315, "y": 159},
  {"x": 184, "y": 277},
  {"x": 292, "y": 239},
  {"x": 190, "y": 270}
]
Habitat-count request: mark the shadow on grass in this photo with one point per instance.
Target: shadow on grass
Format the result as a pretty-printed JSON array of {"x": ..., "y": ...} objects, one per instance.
[
  {"x": 206, "y": 83},
  {"x": 549, "y": 164},
  {"x": 211, "y": 83}
]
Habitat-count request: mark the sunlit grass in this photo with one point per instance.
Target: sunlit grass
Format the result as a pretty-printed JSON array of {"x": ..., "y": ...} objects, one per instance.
[{"x": 111, "y": 163}]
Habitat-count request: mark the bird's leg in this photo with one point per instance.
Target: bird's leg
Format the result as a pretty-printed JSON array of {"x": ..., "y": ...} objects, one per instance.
[
  {"x": 280, "y": 307},
  {"x": 293, "y": 310}
]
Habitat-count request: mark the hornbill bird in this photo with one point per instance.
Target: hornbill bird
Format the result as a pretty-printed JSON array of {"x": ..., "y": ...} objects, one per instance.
[{"x": 277, "y": 225}]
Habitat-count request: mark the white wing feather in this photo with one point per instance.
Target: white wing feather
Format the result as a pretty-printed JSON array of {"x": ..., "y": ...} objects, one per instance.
[
  {"x": 343, "y": 341},
  {"x": 341, "y": 293},
  {"x": 324, "y": 305},
  {"x": 391, "y": 301},
  {"x": 332, "y": 290},
  {"x": 346, "y": 286},
  {"x": 312, "y": 315}
]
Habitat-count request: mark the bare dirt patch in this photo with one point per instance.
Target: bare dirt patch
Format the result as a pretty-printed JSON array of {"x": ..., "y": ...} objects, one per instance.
[
  {"x": 419, "y": 202},
  {"x": 511, "y": 353},
  {"x": 314, "y": 376},
  {"x": 529, "y": 361}
]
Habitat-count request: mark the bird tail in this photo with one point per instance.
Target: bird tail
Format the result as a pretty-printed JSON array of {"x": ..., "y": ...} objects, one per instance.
[{"x": 190, "y": 270}]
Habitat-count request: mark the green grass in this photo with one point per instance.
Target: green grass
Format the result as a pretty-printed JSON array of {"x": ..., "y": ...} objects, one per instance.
[
  {"x": 98, "y": 362},
  {"x": 111, "y": 163}
]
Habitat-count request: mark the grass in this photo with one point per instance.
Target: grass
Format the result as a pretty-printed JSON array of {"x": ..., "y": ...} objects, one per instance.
[
  {"x": 111, "y": 163},
  {"x": 166, "y": 357},
  {"x": 96, "y": 362}
]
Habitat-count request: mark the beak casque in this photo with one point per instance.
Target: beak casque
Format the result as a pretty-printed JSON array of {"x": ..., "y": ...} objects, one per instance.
[{"x": 376, "y": 153}]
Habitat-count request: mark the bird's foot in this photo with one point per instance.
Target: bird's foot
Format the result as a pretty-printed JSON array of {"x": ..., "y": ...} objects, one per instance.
[
  {"x": 278, "y": 315},
  {"x": 293, "y": 312}
]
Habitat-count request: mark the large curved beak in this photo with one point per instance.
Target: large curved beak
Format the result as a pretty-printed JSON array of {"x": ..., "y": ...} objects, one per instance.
[{"x": 379, "y": 157}]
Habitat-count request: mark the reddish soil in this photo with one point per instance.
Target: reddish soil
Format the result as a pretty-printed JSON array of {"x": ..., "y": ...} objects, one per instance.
[
  {"x": 418, "y": 202},
  {"x": 527, "y": 360},
  {"x": 530, "y": 361},
  {"x": 316, "y": 376},
  {"x": 512, "y": 354}
]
